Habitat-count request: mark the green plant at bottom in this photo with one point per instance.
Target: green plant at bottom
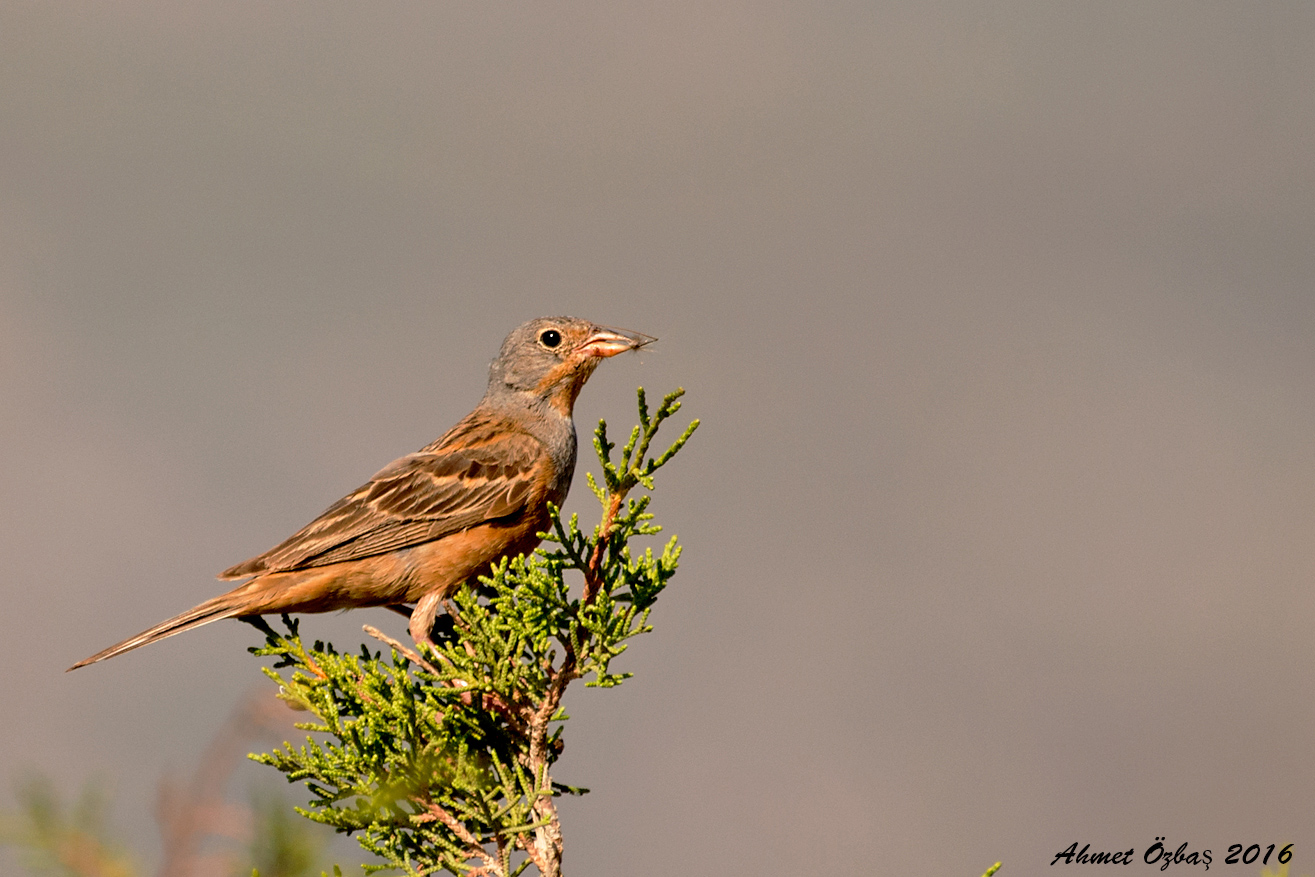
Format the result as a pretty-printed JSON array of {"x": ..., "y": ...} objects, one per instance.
[
  {"x": 63, "y": 842},
  {"x": 51, "y": 839}
]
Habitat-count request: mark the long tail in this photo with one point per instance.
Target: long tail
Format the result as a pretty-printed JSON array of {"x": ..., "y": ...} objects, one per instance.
[{"x": 228, "y": 605}]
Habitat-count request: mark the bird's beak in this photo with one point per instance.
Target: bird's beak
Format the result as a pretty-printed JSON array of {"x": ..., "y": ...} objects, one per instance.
[{"x": 609, "y": 342}]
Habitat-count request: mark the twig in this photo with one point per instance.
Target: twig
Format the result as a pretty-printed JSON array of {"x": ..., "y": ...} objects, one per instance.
[
  {"x": 410, "y": 654},
  {"x": 593, "y": 578},
  {"x": 476, "y": 851},
  {"x": 532, "y": 849}
]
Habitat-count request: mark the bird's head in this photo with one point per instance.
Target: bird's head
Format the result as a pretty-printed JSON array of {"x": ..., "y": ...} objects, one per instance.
[{"x": 552, "y": 357}]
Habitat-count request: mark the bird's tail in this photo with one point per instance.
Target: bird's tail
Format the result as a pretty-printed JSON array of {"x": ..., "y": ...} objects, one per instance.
[{"x": 234, "y": 603}]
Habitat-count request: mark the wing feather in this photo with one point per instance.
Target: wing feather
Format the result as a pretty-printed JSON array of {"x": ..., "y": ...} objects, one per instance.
[{"x": 488, "y": 474}]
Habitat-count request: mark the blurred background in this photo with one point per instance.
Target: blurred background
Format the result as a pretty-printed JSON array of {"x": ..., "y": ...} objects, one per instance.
[{"x": 999, "y": 320}]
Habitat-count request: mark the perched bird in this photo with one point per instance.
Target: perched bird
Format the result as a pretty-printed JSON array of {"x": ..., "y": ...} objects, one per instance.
[{"x": 429, "y": 521}]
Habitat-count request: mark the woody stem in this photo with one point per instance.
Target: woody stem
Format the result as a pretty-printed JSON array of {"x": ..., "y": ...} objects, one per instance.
[
  {"x": 546, "y": 847},
  {"x": 593, "y": 577}
]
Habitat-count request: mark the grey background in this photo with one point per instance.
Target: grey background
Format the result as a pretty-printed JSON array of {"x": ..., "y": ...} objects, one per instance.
[{"x": 998, "y": 530}]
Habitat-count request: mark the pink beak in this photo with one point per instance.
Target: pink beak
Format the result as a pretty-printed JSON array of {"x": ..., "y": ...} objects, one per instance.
[{"x": 609, "y": 342}]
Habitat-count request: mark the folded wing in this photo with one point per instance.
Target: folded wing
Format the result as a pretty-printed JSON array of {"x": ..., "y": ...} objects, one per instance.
[{"x": 415, "y": 499}]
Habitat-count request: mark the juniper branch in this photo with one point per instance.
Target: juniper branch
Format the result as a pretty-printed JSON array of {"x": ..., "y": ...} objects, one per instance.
[{"x": 440, "y": 758}]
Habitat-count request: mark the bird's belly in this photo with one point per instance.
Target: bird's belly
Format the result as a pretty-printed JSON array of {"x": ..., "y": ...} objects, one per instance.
[
  {"x": 402, "y": 576},
  {"x": 442, "y": 565}
]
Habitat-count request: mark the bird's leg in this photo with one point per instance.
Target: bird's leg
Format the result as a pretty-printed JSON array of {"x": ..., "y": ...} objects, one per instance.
[
  {"x": 423, "y": 616},
  {"x": 400, "y": 608}
]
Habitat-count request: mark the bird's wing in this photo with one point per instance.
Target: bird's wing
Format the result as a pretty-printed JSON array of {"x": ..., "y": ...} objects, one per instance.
[{"x": 486, "y": 475}]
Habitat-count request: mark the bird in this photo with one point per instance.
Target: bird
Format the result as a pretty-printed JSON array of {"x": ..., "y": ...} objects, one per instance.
[{"x": 431, "y": 520}]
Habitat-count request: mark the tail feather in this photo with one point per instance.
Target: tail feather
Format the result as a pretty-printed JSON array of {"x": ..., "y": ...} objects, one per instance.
[{"x": 227, "y": 605}]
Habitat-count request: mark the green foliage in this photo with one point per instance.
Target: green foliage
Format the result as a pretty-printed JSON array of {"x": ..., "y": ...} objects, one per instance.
[
  {"x": 59, "y": 843},
  {"x": 283, "y": 845},
  {"x": 442, "y": 761},
  {"x": 52, "y": 840}
]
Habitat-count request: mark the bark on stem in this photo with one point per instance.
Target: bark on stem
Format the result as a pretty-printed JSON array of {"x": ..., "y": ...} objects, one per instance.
[{"x": 593, "y": 579}]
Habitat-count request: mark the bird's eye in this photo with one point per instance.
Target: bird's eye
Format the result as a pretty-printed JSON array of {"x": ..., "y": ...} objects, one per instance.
[{"x": 550, "y": 338}]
